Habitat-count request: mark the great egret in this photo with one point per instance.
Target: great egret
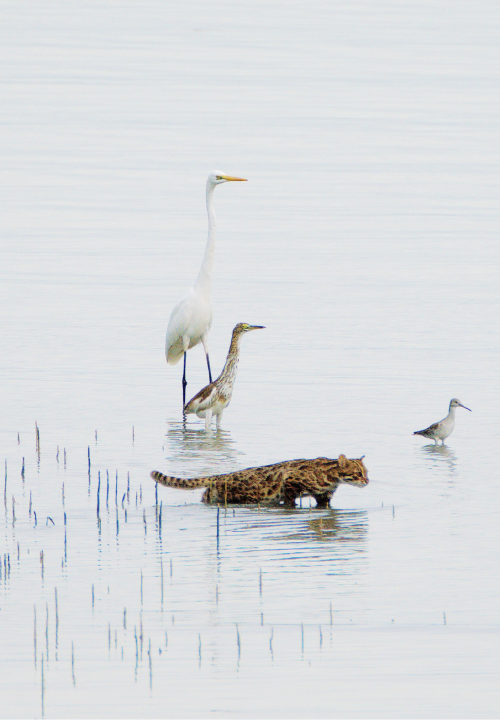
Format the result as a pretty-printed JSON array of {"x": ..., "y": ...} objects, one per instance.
[
  {"x": 214, "y": 398},
  {"x": 191, "y": 318},
  {"x": 442, "y": 429}
]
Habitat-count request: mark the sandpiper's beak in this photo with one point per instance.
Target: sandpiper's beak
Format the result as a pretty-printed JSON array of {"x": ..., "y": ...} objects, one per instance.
[
  {"x": 230, "y": 178},
  {"x": 256, "y": 327},
  {"x": 465, "y": 408}
]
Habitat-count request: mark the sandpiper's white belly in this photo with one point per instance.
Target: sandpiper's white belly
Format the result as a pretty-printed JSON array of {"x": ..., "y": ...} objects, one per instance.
[{"x": 445, "y": 428}]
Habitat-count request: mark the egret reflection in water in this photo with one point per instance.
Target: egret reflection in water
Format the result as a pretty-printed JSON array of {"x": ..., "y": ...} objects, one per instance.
[{"x": 194, "y": 452}]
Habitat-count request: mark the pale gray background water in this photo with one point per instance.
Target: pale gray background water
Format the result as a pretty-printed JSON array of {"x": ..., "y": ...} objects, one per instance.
[{"x": 366, "y": 241}]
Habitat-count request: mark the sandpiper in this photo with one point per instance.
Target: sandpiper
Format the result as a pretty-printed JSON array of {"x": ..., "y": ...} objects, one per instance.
[
  {"x": 216, "y": 396},
  {"x": 442, "y": 429}
]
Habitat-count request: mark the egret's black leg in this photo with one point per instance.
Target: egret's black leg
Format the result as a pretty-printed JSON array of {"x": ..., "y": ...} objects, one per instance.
[
  {"x": 209, "y": 371},
  {"x": 184, "y": 383}
]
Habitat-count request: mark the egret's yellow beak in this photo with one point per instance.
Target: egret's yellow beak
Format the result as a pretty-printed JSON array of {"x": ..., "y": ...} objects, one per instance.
[{"x": 230, "y": 177}]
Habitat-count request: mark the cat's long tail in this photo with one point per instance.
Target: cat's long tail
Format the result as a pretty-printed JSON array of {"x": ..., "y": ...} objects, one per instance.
[{"x": 181, "y": 483}]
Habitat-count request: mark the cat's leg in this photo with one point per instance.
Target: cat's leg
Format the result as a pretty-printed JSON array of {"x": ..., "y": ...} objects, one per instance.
[
  {"x": 323, "y": 500},
  {"x": 289, "y": 496}
]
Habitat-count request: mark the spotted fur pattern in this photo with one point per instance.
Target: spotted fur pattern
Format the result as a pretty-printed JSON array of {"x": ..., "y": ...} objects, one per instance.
[{"x": 278, "y": 484}]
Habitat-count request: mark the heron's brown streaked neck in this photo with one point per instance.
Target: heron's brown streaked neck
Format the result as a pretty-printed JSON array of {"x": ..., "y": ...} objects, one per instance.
[{"x": 232, "y": 355}]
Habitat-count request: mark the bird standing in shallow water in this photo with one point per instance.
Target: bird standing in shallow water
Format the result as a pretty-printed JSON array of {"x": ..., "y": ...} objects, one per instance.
[
  {"x": 191, "y": 318},
  {"x": 442, "y": 429},
  {"x": 214, "y": 398}
]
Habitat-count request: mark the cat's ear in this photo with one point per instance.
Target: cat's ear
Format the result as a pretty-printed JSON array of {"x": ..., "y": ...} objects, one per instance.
[{"x": 342, "y": 461}]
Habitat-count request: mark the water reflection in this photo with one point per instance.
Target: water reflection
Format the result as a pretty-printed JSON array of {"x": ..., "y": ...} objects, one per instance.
[
  {"x": 440, "y": 455},
  {"x": 192, "y": 452},
  {"x": 334, "y": 525}
]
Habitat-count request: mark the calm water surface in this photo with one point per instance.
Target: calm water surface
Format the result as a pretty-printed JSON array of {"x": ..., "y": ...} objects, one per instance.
[{"x": 366, "y": 241}]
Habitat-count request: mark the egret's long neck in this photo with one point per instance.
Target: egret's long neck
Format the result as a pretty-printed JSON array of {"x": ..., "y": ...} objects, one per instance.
[{"x": 204, "y": 279}]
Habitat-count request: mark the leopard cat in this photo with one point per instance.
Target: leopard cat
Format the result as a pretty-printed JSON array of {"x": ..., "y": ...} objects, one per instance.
[{"x": 279, "y": 484}]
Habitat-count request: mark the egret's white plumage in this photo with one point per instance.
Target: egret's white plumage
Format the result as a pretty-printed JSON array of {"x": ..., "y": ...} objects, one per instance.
[
  {"x": 215, "y": 397},
  {"x": 191, "y": 318},
  {"x": 442, "y": 429}
]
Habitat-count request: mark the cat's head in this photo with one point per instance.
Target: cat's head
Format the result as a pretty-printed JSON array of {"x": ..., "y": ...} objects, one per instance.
[{"x": 353, "y": 471}]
